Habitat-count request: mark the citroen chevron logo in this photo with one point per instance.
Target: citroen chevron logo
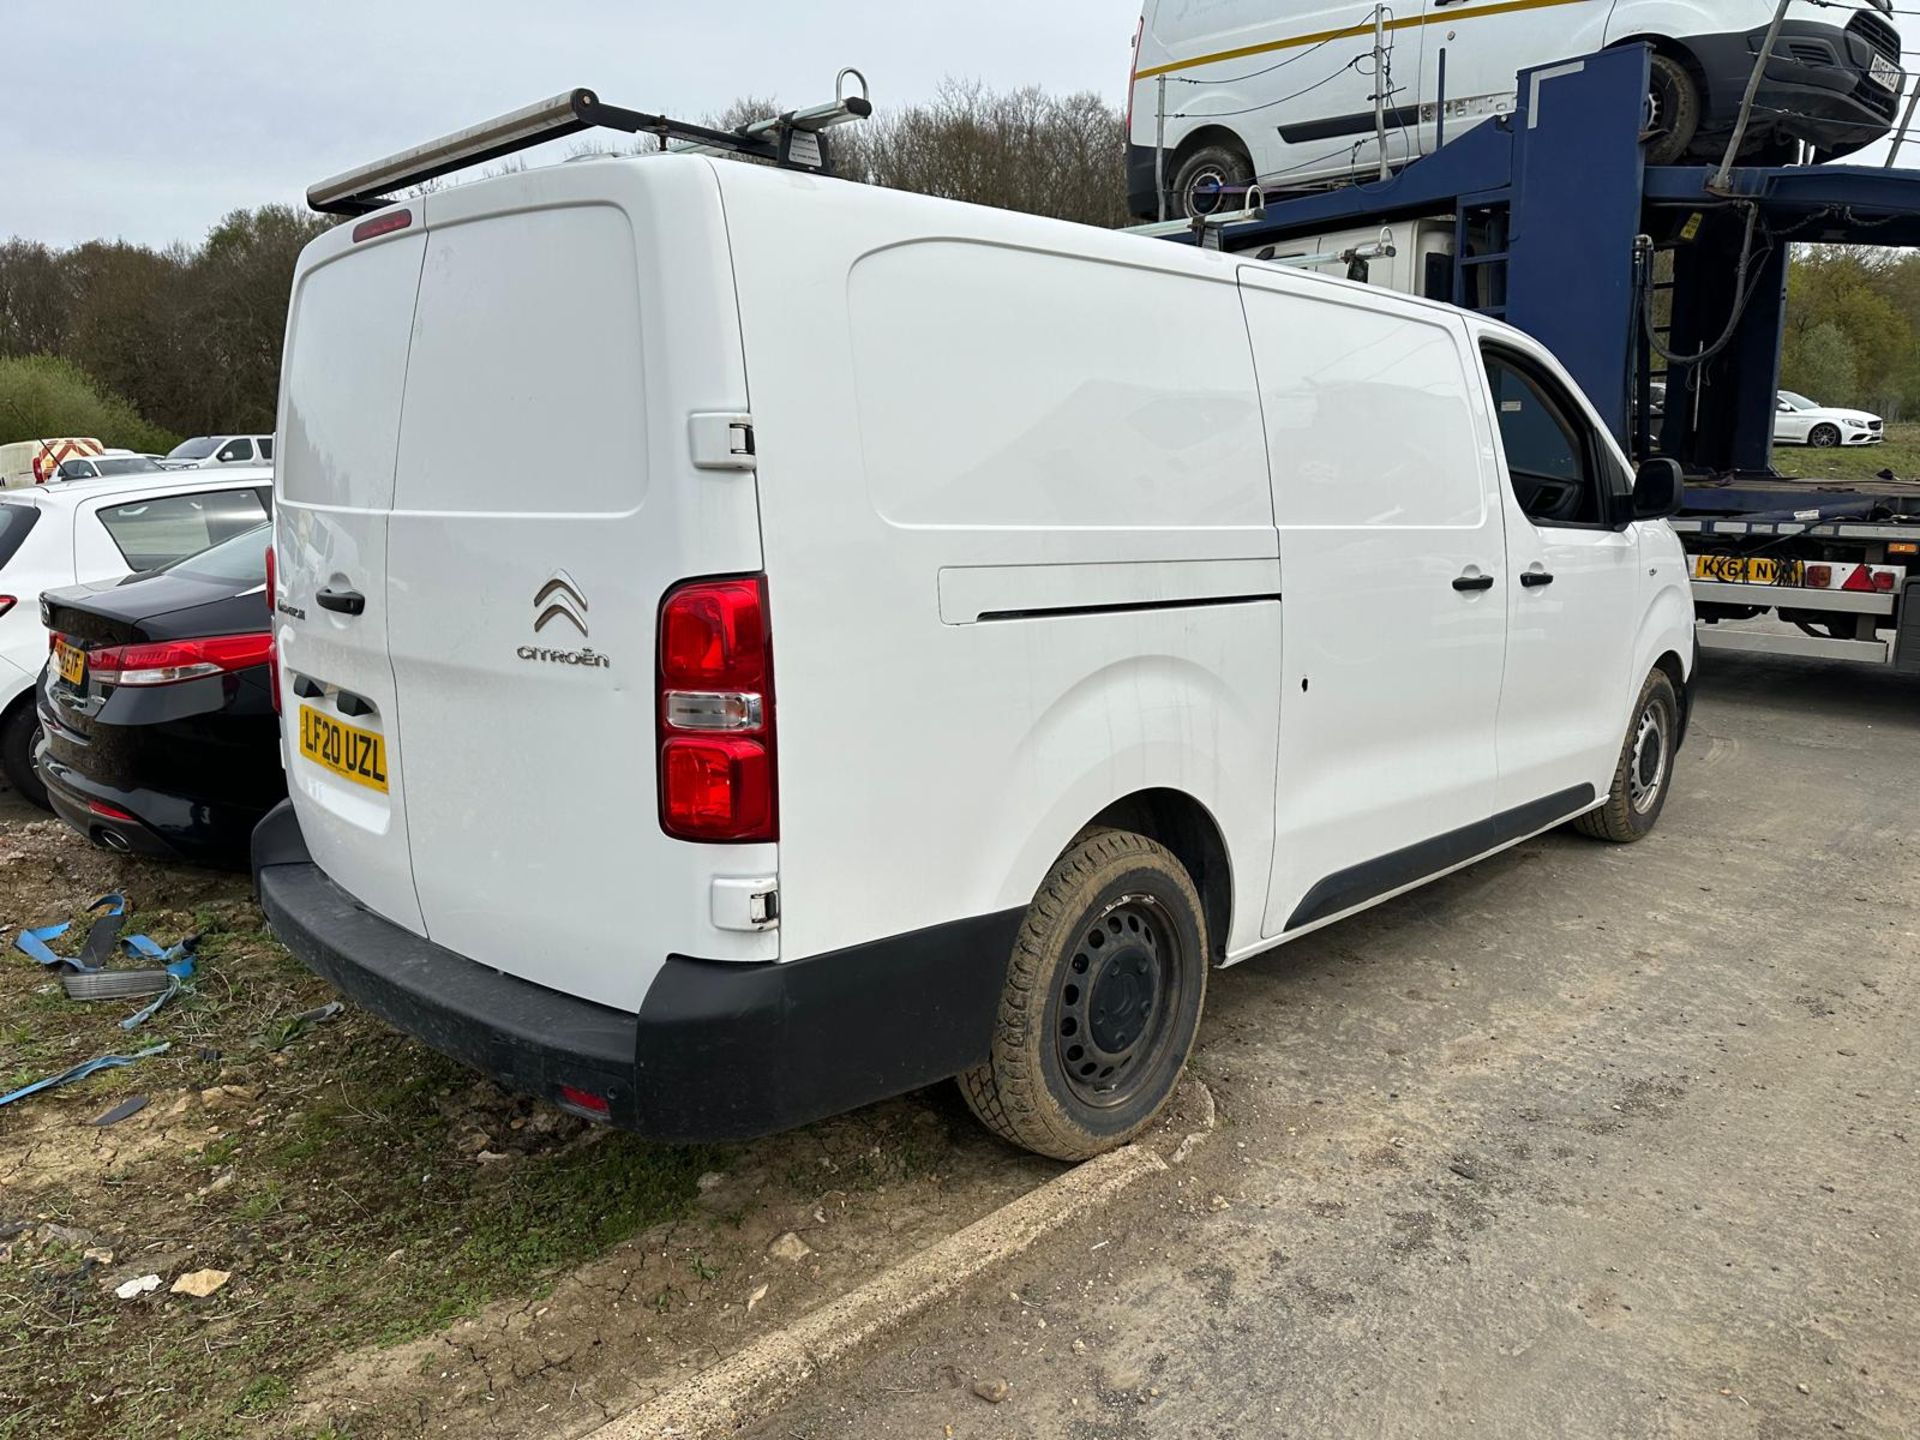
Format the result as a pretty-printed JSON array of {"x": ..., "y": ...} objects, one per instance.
[{"x": 560, "y": 599}]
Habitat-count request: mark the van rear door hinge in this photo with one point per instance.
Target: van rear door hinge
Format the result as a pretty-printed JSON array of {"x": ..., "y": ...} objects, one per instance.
[{"x": 721, "y": 441}]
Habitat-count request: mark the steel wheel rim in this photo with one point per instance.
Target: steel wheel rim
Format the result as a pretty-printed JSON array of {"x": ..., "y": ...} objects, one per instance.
[
  {"x": 1647, "y": 771},
  {"x": 1115, "y": 1000},
  {"x": 1211, "y": 175}
]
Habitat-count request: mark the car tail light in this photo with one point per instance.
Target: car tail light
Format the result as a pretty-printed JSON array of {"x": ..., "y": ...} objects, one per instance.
[
  {"x": 7, "y": 602},
  {"x": 273, "y": 650},
  {"x": 1819, "y": 576},
  {"x": 167, "y": 662},
  {"x": 715, "y": 709}
]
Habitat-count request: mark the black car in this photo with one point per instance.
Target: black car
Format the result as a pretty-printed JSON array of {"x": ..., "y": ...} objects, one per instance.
[{"x": 157, "y": 706}]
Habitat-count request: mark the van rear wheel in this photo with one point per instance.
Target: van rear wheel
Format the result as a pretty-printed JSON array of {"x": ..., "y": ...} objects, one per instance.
[
  {"x": 1208, "y": 180},
  {"x": 1673, "y": 109},
  {"x": 1644, "y": 773},
  {"x": 1102, "y": 1000}
]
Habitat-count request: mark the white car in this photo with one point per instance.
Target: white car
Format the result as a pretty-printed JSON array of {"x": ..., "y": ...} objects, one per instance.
[
  {"x": 1800, "y": 421},
  {"x": 869, "y": 699},
  {"x": 112, "y": 465},
  {"x": 78, "y": 531},
  {"x": 203, "y": 452},
  {"x": 1282, "y": 91}
]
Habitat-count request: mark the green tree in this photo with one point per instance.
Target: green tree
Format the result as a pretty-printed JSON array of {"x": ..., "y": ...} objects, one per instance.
[{"x": 43, "y": 395}]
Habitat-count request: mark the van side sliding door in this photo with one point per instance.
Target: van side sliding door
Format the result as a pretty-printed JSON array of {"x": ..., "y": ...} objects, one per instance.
[{"x": 1391, "y": 562}]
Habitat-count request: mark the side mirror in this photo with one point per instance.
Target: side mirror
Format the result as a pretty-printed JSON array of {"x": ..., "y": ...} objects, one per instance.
[{"x": 1657, "y": 489}]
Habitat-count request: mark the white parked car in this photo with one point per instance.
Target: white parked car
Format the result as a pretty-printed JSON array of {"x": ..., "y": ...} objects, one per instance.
[
  {"x": 110, "y": 465},
  {"x": 1800, "y": 421},
  {"x": 913, "y": 671},
  {"x": 81, "y": 531},
  {"x": 1282, "y": 90},
  {"x": 203, "y": 452}
]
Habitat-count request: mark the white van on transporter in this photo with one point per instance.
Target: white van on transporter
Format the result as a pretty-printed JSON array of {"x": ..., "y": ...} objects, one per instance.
[
  {"x": 909, "y": 673},
  {"x": 1283, "y": 91}
]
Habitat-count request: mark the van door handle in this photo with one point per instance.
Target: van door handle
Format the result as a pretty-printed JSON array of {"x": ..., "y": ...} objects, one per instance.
[
  {"x": 1532, "y": 578},
  {"x": 1473, "y": 582},
  {"x": 346, "y": 602}
]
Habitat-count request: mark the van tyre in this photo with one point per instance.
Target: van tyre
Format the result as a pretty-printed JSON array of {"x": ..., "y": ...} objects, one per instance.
[
  {"x": 1645, "y": 773},
  {"x": 1102, "y": 1000},
  {"x": 19, "y": 733},
  {"x": 1209, "y": 166},
  {"x": 1673, "y": 109}
]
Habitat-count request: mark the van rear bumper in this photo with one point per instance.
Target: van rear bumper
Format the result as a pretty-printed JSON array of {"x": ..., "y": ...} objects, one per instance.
[{"x": 720, "y": 1050}]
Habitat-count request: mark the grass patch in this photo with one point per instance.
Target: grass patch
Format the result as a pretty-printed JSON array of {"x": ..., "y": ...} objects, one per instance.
[{"x": 332, "y": 1168}]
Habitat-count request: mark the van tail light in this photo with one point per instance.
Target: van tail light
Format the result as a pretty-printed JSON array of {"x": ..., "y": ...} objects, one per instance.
[
  {"x": 168, "y": 662},
  {"x": 1133, "y": 81},
  {"x": 273, "y": 650},
  {"x": 715, "y": 712},
  {"x": 1819, "y": 577},
  {"x": 1883, "y": 580},
  {"x": 7, "y": 602}
]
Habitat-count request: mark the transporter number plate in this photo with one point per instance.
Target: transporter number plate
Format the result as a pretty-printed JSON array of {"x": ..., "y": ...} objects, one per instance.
[
  {"x": 1885, "y": 73},
  {"x": 345, "y": 749},
  {"x": 72, "y": 661},
  {"x": 1749, "y": 569}
]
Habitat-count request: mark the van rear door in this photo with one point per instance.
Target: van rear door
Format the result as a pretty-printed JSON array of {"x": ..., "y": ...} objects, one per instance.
[
  {"x": 571, "y": 322},
  {"x": 347, "y": 338}
]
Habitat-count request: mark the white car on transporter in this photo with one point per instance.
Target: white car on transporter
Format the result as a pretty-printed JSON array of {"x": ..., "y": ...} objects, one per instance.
[{"x": 868, "y": 700}]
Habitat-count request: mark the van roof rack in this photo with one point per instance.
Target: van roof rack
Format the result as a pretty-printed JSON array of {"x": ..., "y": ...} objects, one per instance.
[{"x": 792, "y": 139}]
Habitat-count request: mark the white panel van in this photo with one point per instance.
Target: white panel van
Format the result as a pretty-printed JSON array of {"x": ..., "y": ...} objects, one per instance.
[
  {"x": 1284, "y": 91},
  {"x": 908, "y": 673}
]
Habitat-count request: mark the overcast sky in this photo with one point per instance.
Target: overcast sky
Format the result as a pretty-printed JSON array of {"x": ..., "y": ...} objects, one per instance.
[{"x": 150, "y": 119}]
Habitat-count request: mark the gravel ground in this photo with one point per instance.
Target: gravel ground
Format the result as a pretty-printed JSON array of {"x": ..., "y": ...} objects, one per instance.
[{"x": 1585, "y": 1141}]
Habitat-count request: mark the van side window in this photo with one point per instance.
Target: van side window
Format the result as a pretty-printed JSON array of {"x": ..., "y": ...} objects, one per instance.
[
  {"x": 155, "y": 532},
  {"x": 1553, "y": 461}
]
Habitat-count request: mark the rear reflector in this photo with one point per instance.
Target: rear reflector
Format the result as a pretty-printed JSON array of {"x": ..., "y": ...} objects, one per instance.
[
  {"x": 1903, "y": 547},
  {"x": 592, "y": 1105},
  {"x": 109, "y": 812},
  {"x": 167, "y": 662},
  {"x": 382, "y": 225},
  {"x": 716, "y": 721}
]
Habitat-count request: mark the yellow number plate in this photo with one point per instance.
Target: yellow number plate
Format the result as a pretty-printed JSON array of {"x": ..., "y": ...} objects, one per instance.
[
  {"x": 1749, "y": 569},
  {"x": 72, "y": 661},
  {"x": 359, "y": 755}
]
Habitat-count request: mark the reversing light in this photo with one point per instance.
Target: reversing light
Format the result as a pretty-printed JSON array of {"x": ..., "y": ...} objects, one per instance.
[
  {"x": 378, "y": 225},
  {"x": 715, "y": 712}
]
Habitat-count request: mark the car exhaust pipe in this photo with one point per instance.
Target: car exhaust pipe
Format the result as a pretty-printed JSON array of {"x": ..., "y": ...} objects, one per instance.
[{"x": 112, "y": 840}]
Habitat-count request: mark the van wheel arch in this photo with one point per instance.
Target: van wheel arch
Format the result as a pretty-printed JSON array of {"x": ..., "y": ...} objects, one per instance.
[
  {"x": 1187, "y": 828},
  {"x": 1681, "y": 54}
]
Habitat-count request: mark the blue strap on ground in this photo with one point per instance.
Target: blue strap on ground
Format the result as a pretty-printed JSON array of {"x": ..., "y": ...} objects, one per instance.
[
  {"x": 33, "y": 943},
  {"x": 81, "y": 1071},
  {"x": 181, "y": 970}
]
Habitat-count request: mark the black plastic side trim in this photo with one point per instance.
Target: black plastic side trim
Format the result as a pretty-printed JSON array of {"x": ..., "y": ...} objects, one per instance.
[
  {"x": 1126, "y": 607},
  {"x": 1360, "y": 122},
  {"x": 1360, "y": 883}
]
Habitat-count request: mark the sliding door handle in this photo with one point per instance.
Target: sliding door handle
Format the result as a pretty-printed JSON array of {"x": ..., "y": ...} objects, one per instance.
[
  {"x": 1473, "y": 582},
  {"x": 1533, "y": 578}
]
